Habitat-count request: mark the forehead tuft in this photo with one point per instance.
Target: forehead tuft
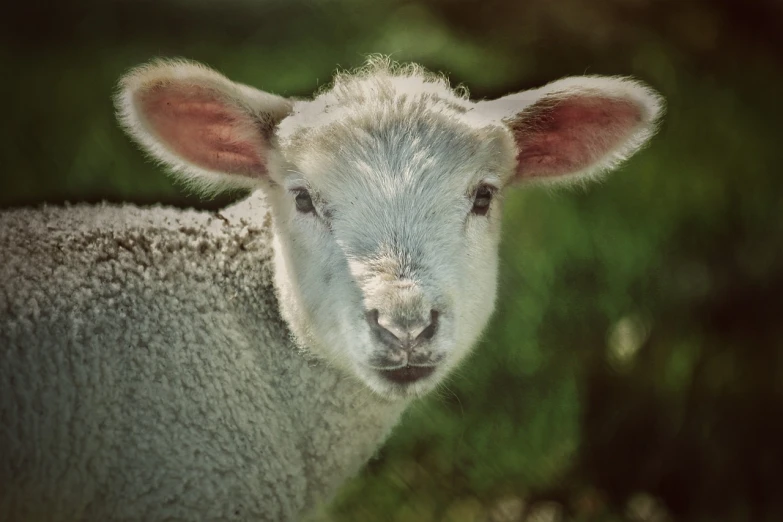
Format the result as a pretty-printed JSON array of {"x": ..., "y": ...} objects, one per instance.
[
  {"x": 380, "y": 91},
  {"x": 381, "y": 80}
]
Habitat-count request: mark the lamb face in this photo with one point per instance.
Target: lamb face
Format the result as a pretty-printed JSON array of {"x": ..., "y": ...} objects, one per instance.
[
  {"x": 388, "y": 225},
  {"x": 385, "y": 194}
]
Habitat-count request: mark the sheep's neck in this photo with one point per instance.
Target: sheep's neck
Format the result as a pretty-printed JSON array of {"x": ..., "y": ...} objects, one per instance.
[{"x": 344, "y": 426}]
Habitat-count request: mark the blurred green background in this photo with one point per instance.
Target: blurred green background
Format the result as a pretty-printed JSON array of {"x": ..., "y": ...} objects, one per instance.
[{"x": 633, "y": 370}]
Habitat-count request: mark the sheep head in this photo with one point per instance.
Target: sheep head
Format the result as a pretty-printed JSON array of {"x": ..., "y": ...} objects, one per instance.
[{"x": 385, "y": 191}]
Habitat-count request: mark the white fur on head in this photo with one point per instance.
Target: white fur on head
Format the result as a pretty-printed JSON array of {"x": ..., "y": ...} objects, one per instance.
[
  {"x": 212, "y": 132},
  {"x": 577, "y": 128}
]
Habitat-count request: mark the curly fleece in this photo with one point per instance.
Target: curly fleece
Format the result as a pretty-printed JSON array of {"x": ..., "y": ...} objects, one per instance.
[{"x": 145, "y": 373}]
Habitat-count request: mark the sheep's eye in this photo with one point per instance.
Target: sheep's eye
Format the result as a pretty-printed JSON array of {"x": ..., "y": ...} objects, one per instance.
[
  {"x": 304, "y": 202},
  {"x": 481, "y": 200}
]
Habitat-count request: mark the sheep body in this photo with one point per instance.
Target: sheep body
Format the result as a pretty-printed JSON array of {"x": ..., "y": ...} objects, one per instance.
[{"x": 143, "y": 357}]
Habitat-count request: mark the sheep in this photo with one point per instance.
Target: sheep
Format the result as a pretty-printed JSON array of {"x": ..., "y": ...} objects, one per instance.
[{"x": 163, "y": 364}]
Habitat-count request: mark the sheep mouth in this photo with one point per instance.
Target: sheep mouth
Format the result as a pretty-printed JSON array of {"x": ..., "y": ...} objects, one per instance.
[{"x": 407, "y": 374}]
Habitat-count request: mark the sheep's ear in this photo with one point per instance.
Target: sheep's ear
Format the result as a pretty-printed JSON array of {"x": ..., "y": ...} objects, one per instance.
[
  {"x": 210, "y": 131},
  {"x": 578, "y": 127}
]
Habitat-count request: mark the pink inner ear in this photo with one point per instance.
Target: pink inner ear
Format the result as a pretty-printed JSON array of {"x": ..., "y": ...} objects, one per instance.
[
  {"x": 566, "y": 136},
  {"x": 197, "y": 124}
]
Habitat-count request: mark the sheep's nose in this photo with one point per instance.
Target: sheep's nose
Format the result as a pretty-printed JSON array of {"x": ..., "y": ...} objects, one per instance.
[{"x": 403, "y": 333}]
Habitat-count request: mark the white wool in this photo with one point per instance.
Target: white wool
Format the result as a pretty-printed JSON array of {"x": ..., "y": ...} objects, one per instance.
[
  {"x": 168, "y": 364},
  {"x": 147, "y": 375}
]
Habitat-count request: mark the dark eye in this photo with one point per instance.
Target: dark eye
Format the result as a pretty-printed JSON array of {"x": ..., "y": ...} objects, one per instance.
[
  {"x": 481, "y": 200},
  {"x": 304, "y": 203}
]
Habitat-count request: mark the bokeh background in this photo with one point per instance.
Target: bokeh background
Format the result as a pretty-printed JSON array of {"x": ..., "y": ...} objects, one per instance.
[{"x": 633, "y": 370}]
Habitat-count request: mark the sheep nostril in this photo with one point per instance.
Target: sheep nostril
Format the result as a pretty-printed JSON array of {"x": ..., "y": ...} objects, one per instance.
[
  {"x": 429, "y": 332},
  {"x": 387, "y": 337},
  {"x": 372, "y": 317}
]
